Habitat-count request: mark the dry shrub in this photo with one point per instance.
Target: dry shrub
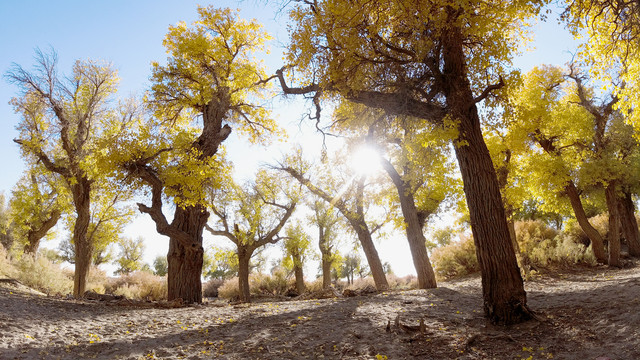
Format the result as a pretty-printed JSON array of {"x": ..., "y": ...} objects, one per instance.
[
  {"x": 456, "y": 259},
  {"x": 573, "y": 230},
  {"x": 276, "y": 284},
  {"x": 43, "y": 275},
  {"x": 139, "y": 285},
  {"x": 210, "y": 288},
  {"x": 314, "y": 286},
  {"x": 7, "y": 269},
  {"x": 229, "y": 289},
  {"x": 365, "y": 284},
  {"x": 96, "y": 280},
  {"x": 542, "y": 246},
  {"x": 402, "y": 283}
]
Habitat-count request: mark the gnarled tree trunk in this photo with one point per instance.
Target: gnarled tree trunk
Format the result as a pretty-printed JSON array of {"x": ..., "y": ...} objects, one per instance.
[
  {"x": 244, "y": 256},
  {"x": 505, "y": 301},
  {"x": 35, "y": 235},
  {"x": 614, "y": 224},
  {"x": 185, "y": 261},
  {"x": 83, "y": 247},
  {"x": 629, "y": 224},
  {"x": 597, "y": 244},
  {"x": 299, "y": 274}
]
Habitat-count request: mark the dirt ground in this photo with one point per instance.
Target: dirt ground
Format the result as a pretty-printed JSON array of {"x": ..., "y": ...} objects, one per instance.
[{"x": 586, "y": 314}]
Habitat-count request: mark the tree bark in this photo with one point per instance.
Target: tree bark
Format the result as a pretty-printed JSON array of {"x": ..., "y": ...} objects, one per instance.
[
  {"x": 370, "y": 252},
  {"x": 35, "y": 235},
  {"x": 614, "y": 224},
  {"x": 505, "y": 300},
  {"x": 325, "y": 252},
  {"x": 81, "y": 192},
  {"x": 415, "y": 236},
  {"x": 299, "y": 274},
  {"x": 244, "y": 256},
  {"x": 185, "y": 260},
  {"x": 629, "y": 223},
  {"x": 597, "y": 244}
]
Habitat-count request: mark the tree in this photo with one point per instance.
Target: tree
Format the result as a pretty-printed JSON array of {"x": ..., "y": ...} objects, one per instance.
[
  {"x": 435, "y": 61},
  {"x": 160, "y": 265},
  {"x": 328, "y": 224},
  {"x": 612, "y": 46},
  {"x": 251, "y": 217},
  {"x": 210, "y": 83},
  {"x": 415, "y": 156},
  {"x": 587, "y": 146},
  {"x": 61, "y": 120},
  {"x": 297, "y": 246},
  {"x": 347, "y": 195},
  {"x": 130, "y": 255},
  {"x": 223, "y": 264},
  {"x": 37, "y": 203},
  {"x": 6, "y": 231}
]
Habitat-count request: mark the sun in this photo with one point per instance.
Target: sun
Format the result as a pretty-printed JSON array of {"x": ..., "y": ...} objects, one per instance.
[{"x": 365, "y": 160}]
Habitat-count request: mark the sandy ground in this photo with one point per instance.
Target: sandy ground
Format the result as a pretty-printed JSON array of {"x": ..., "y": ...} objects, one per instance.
[{"x": 586, "y": 314}]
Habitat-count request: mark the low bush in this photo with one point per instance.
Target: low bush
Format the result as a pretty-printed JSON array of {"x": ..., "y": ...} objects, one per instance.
[
  {"x": 7, "y": 270},
  {"x": 456, "y": 259},
  {"x": 141, "y": 285},
  {"x": 543, "y": 247},
  {"x": 210, "y": 288},
  {"x": 276, "y": 284},
  {"x": 229, "y": 289},
  {"x": 43, "y": 275}
]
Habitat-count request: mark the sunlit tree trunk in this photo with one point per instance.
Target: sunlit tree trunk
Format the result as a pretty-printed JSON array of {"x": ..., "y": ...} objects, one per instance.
[
  {"x": 299, "y": 273},
  {"x": 244, "y": 256},
  {"x": 325, "y": 253},
  {"x": 629, "y": 223},
  {"x": 185, "y": 262},
  {"x": 83, "y": 248},
  {"x": 415, "y": 236},
  {"x": 597, "y": 243},
  {"x": 505, "y": 300},
  {"x": 614, "y": 224}
]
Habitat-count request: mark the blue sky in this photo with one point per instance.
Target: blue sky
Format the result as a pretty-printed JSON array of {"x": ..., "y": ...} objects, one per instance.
[{"x": 129, "y": 34}]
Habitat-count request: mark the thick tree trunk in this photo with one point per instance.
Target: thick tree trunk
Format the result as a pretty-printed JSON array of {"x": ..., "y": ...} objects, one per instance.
[
  {"x": 83, "y": 247},
  {"x": 370, "y": 252},
  {"x": 505, "y": 301},
  {"x": 299, "y": 274},
  {"x": 325, "y": 253},
  {"x": 629, "y": 224},
  {"x": 244, "y": 256},
  {"x": 185, "y": 262},
  {"x": 614, "y": 224},
  {"x": 597, "y": 244},
  {"x": 35, "y": 235}
]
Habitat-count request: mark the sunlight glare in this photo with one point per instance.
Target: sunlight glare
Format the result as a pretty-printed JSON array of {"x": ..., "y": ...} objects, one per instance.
[{"x": 365, "y": 160}]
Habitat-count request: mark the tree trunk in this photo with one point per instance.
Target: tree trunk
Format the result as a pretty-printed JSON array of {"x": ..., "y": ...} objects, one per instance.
[
  {"x": 244, "y": 256},
  {"x": 597, "y": 244},
  {"x": 185, "y": 262},
  {"x": 299, "y": 274},
  {"x": 417, "y": 245},
  {"x": 629, "y": 224},
  {"x": 83, "y": 247},
  {"x": 377, "y": 271},
  {"x": 325, "y": 252},
  {"x": 614, "y": 224},
  {"x": 415, "y": 236},
  {"x": 35, "y": 235},
  {"x": 505, "y": 301}
]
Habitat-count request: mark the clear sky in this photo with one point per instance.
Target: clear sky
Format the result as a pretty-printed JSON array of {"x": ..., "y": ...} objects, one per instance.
[{"x": 129, "y": 34}]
